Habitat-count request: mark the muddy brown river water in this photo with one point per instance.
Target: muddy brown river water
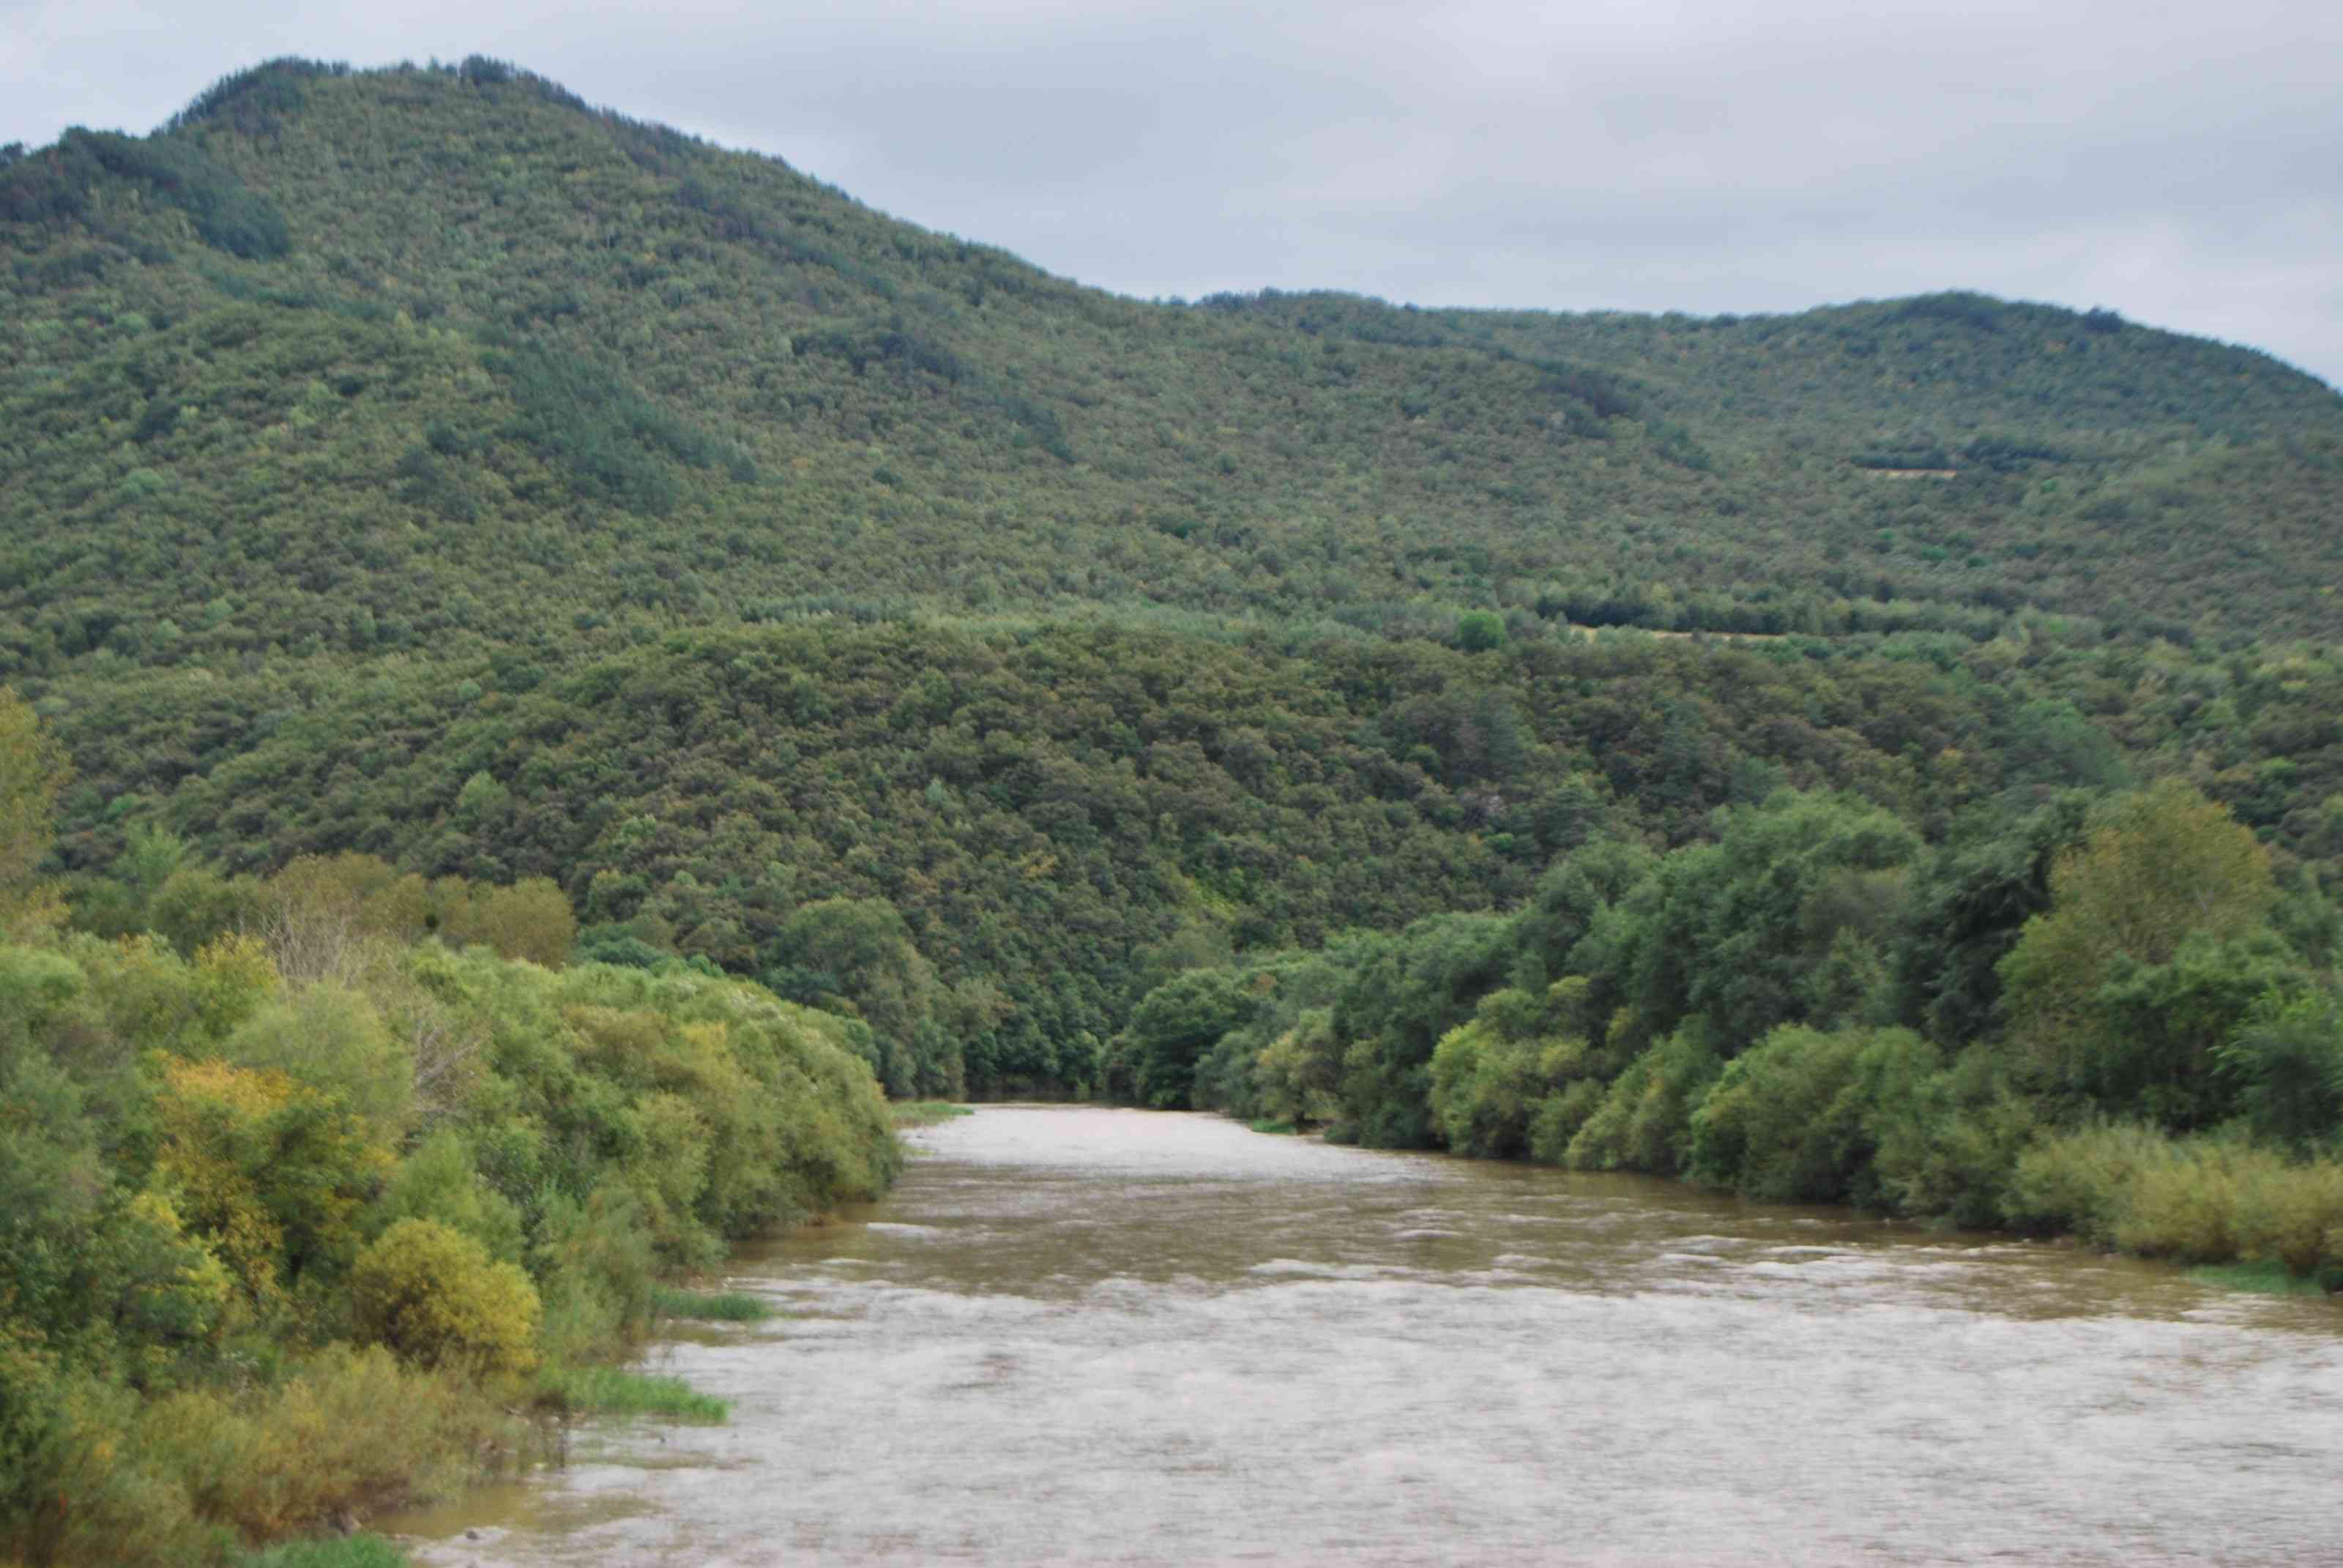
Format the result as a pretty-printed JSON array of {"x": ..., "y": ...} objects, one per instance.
[{"x": 1091, "y": 1336}]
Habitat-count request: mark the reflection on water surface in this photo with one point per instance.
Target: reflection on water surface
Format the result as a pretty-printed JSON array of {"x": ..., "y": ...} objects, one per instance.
[{"x": 1082, "y": 1336}]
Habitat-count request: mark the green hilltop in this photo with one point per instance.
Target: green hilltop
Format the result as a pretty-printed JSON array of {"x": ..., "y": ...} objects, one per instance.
[
  {"x": 423, "y": 463},
  {"x": 432, "y": 357}
]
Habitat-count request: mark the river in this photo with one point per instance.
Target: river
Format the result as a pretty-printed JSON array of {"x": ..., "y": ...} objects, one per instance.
[{"x": 1096, "y": 1336}]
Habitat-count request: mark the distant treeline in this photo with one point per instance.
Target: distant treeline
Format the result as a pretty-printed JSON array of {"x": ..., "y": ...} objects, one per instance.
[{"x": 985, "y": 843}]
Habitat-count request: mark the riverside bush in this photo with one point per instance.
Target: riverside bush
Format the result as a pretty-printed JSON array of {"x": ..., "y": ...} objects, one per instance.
[
  {"x": 350, "y": 1432},
  {"x": 2294, "y": 1214},
  {"x": 283, "y": 1225},
  {"x": 1947, "y": 1149},
  {"x": 2078, "y": 1182},
  {"x": 434, "y": 1295},
  {"x": 1644, "y": 1121},
  {"x": 2214, "y": 1199},
  {"x": 1795, "y": 1118}
]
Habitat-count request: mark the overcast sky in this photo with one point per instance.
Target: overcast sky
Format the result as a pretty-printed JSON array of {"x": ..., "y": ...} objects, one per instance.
[{"x": 2180, "y": 163}]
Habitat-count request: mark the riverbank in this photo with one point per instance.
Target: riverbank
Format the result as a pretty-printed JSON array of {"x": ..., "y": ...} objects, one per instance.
[
  {"x": 305, "y": 1227},
  {"x": 2109, "y": 1018},
  {"x": 2239, "y": 1216}
]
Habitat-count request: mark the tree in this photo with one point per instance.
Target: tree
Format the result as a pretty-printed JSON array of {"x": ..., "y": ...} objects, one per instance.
[
  {"x": 433, "y": 1294},
  {"x": 1480, "y": 631},
  {"x": 859, "y": 952},
  {"x": 1172, "y": 1027},
  {"x": 2154, "y": 947},
  {"x": 33, "y": 773}
]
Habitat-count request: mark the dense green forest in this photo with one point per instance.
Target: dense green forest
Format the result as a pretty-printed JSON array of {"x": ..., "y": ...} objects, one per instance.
[{"x": 552, "y": 663}]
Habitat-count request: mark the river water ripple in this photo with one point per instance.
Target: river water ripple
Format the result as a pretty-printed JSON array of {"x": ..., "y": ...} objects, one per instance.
[{"x": 1092, "y": 1336}]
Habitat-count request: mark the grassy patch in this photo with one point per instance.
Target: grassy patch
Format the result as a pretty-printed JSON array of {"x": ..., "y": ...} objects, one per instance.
[
  {"x": 2268, "y": 1277},
  {"x": 710, "y": 1306},
  {"x": 609, "y": 1390},
  {"x": 344, "y": 1551},
  {"x": 1270, "y": 1124},
  {"x": 925, "y": 1113}
]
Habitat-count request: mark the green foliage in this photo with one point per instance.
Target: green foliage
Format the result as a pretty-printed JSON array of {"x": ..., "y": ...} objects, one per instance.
[
  {"x": 2078, "y": 1182},
  {"x": 1520, "y": 1079},
  {"x": 2152, "y": 953},
  {"x": 65, "y": 182},
  {"x": 1644, "y": 1121},
  {"x": 33, "y": 772},
  {"x": 615, "y": 443},
  {"x": 1796, "y": 1118},
  {"x": 1968, "y": 904},
  {"x": 219, "y": 1175},
  {"x": 1480, "y": 630},
  {"x": 347, "y": 1432},
  {"x": 471, "y": 669},
  {"x": 2204, "y": 1200},
  {"x": 711, "y": 1306},
  {"x": 334, "y": 1040},
  {"x": 859, "y": 953},
  {"x": 360, "y": 1551},
  {"x": 434, "y": 1295},
  {"x": 1154, "y": 1060},
  {"x": 2287, "y": 1057},
  {"x": 612, "y": 1390},
  {"x": 1948, "y": 1146},
  {"x": 440, "y": 1180}
]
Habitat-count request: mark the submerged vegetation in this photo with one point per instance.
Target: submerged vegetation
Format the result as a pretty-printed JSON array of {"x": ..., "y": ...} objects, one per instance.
[
  {"x": 711, "y": 1306},
  {"x": 925, "y": 1113},
  {"x": 616, "y": 1391}
]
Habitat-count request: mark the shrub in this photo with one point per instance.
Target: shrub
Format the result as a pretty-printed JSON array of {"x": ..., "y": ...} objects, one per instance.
[
  {"x": 1949, "y": 1150},
  {"x": 351, "y": 1432},
  {"x": 2184, "y": 1203},
  {"x": 2076, "y": 1182},
  {"x": 268, "y": 1171},
  {"x": 1793, "y": 1119},
  {"x": 1484, "y": 1089},
  {"x": 440, "y": 1181},
  {"x": 531, "y": 920},
  {"x": 1559, "y": 1117},
  {"x": 597, "y": 1266},
  {"x": 1480, "y": 631},
  {"x": 2203, "y": 1200},
  {"x": 2294, "y": 1214},
  {"x": 1644, "y": 1123},
  {"x": 434, "y": 1295},
  {"x": 2288, "y": 1059},
  {"x": 334, "y": 1040}
]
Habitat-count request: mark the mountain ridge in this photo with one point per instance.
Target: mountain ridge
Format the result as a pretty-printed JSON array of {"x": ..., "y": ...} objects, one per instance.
[{"x": 579, "y": 334}]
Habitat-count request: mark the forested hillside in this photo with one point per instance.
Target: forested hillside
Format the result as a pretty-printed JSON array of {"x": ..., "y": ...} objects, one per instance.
[
  {"x": 421, "y": 464},
  {"x": 430, "y": 359}
]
